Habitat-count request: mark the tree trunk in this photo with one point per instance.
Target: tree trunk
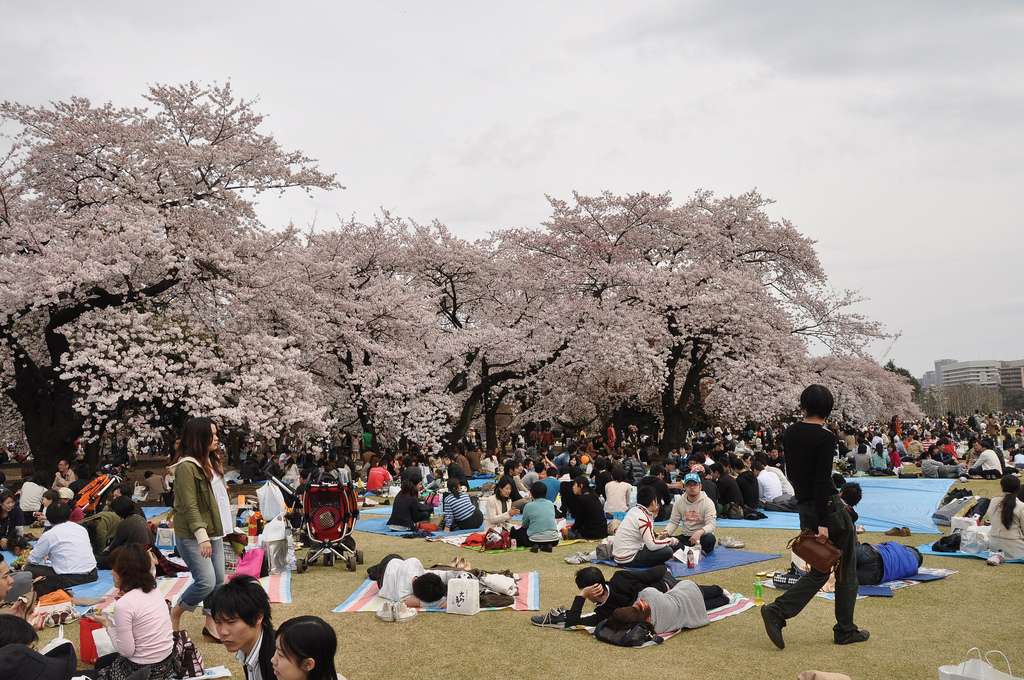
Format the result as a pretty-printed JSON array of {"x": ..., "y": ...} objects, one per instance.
[{"x": 51, "y": 425}]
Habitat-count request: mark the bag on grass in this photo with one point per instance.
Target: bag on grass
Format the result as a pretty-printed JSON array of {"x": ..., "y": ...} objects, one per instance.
[
  {"x": 979, "y": 668},
  {"x": 974, "y": 540},
  {"x": 636, "y": 635},
  {"x": 499, "y": 583},
  {"x": 463, "y": 596},
  {"x": 947, "y": 544},
  {"x": 187, "y": 662},
  {"x": 53, "y": 609},
  {"x": 955, "y": 507},
  {"x": 86, "y": 645},
  {"x": 252, "y": 563},
  {"x": 497, "y": 539}
]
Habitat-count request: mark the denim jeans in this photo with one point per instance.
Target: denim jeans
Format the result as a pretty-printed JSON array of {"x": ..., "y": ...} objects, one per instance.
[{"x": 207, "y": 572}]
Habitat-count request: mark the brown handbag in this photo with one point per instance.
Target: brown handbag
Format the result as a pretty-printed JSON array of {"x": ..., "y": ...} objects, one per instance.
[{"x": 821, "y": 555}]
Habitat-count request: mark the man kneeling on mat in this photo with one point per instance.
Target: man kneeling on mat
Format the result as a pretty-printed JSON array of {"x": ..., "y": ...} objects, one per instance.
[
  {"x": 621, "y": 590},
  {"x": 695, "y": 513},
  {"x": 685, "y": 605}
]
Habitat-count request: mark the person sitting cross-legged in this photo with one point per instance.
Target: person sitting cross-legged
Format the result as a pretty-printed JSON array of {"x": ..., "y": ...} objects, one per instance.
[
  {"x": 634, "y": 543},
  {"x": 539, "y": 528},
  {"x": 589, "y": 521},
  {"x": 458, "y": 509},
  {"x": 694, "y": 512},
  {"x": 621, "y": 590},
  {"x": 66, "y": 545}
]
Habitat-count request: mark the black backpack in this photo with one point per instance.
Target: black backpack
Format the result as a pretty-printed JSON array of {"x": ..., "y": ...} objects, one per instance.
[
  {"x": 947, "y": 544},
  {"x": 636, "y": 635},
  {"x": 979, "y": 508}
]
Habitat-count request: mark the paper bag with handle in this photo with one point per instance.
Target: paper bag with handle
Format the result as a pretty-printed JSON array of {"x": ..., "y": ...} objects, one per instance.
[{"x": 821, "y": 555}]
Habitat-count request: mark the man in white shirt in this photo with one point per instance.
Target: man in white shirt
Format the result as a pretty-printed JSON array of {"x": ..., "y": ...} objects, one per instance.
[
  {"x": 66, "y": 545},
  {"x": 406, "y": 581},
  {"x": 771, "y": 492},
  {"x": 31, "y": 497},
  {"x": 986, "y": 463}
]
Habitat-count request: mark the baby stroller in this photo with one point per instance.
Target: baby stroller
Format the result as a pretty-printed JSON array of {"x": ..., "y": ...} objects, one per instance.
[{"x": 329, "y": 513}]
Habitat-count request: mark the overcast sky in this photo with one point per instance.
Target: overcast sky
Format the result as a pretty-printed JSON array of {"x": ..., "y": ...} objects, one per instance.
[{"x": 892, "y": 133}]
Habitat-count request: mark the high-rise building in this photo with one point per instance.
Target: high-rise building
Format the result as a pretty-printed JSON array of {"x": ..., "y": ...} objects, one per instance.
[
  {"x": 1011, "y": 374},
  {"x": 991, "y": 373}
]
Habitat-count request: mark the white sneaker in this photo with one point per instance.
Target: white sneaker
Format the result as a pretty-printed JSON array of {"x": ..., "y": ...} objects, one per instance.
[
  {"x": 402, "y": 612},
  {"x": 386, "y": 612},
  {"x": 995, "y": 559}
]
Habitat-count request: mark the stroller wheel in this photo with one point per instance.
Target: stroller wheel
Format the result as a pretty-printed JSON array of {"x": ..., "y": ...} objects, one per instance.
[
  {"x": 328, "y": 560},
  {"x": 359, "y": 557},
  {"x": 350, "y": 563},
  {"x": 302, "y": 566}
]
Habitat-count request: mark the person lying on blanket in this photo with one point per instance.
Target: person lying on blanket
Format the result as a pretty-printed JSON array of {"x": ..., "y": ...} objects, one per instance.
[
  {"x": 406, "y": 581},
  {"x": 694, "y": 512},
  {"x": 685, "y": 605},
  {"x": 621, "y": 590}
]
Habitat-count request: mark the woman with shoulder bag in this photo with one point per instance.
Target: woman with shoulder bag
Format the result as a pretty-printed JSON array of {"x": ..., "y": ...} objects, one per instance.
[{"x": 197, "y": 518}]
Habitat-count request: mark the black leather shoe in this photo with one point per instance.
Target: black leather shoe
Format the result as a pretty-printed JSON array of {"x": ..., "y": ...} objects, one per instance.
[
  {"x": 773, "y": 625},
  {"x": 860, "y": 636}
]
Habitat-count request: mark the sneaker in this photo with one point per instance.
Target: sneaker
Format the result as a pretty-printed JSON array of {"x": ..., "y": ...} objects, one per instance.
[
  {"x": 853, "y": 638},
  {"x": 402, "y": 612},
  {"x": 731, "y": 542},
  {"x": 555, "y": 618},
  {"x": 577, "y": 558},
  {"x": 386, "y": 612},
  {"x": 995, "y": 559}
]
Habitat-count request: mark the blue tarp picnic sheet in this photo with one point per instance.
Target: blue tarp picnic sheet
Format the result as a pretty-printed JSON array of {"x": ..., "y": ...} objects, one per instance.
[
  {"x": 927, "y": 550},
  {"x": 888, "y": 502},
  {"x": 379, "y": 525},
  {"x": 722, "y": 558},
  {"x": 155, "y": 511}
]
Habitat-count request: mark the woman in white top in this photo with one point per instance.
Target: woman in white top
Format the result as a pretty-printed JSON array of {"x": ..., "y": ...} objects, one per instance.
[
  {"x": 498, "y": 509},
  {"x": 1006, "y": 515},
  {"x": 227, "y": 522},
  {"x": 616, "y": 492}
]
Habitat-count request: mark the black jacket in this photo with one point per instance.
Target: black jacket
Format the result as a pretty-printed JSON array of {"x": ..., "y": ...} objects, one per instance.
[
  {"x": 747, "y": 483},
  {"x": 623, "y": 589},
  {"x": 588, "y": 512},
  {"x": 408, "y": 511},
  {"x": 729, "y": 491}
]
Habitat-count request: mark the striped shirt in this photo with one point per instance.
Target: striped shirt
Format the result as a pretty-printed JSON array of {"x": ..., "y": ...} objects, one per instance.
[{"x": 456, "y": 508}]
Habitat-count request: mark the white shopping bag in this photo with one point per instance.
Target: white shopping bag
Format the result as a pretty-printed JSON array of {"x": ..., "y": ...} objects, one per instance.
[
  {"x": 140, "y": 493},
  {"x": 271, "y": 501},
  {"x": 104, "y": 645},
  {"x": 962, "y": 523},
  {"x": 974, "y": 540},
  {"x": 463, "y": 596},
  {"x": 978, "y": 668}
]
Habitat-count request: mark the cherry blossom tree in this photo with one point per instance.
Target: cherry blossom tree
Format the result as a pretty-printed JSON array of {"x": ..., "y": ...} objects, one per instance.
[
  {"x": 721, "y": 298},
  {"x": 106, "y": 208},
  {"x": 864, "y": 391}
]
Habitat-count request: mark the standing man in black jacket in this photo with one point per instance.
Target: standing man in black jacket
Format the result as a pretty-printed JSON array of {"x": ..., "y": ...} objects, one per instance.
[
  {"x": 810, "y": 448},
  {"x": 621, "y": 590}
]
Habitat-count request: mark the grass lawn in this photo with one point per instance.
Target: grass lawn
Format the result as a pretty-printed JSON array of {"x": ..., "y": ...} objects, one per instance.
[{"x": 913, "y": 633}]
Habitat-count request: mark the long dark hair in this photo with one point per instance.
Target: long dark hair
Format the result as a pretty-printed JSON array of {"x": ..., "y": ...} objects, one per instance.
[
  {"x": 1010, "y": 484},
  {"x": 309, "y": 637},
  {"x": 196, "y": 437}
]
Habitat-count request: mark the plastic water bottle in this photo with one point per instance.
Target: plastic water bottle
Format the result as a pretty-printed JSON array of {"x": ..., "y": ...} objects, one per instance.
[{"x": 758, "y": 593}]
